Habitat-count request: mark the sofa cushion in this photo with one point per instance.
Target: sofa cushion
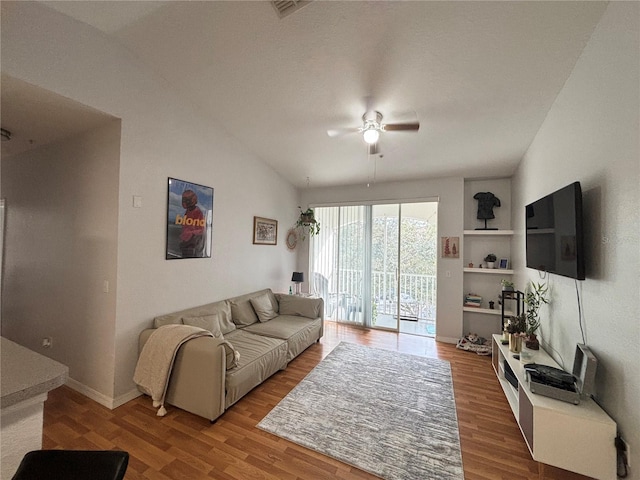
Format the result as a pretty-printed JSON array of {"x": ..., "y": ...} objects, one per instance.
[
  {"x": 231, "y": 354},
  {"x": 296, "y": 305},
  {"x": 299, "y": 332},
  {"x": 263, "y": 307},
  {"x": 242, "y": 313},
  {"x": 222, "y": 308},
  {"x": 208, "y": 322},
  {"x": 260, "y": 357}
]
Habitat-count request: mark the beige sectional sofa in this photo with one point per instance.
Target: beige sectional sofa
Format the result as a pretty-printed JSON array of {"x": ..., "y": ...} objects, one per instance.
[{"x": 254, "y": 336}]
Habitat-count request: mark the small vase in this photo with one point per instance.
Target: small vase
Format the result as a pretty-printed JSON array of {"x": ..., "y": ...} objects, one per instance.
[
  {"x": 491, "y": 264},
  {"x": 532, "y": 342},
  {"x": 515, "y": 343}
]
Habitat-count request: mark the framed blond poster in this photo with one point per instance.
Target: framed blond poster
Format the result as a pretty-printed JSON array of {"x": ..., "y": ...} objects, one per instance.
[{"x": 189, "y": 220}]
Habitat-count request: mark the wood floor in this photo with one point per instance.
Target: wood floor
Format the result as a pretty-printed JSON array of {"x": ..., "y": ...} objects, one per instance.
[{"x": 184, "y": 446}]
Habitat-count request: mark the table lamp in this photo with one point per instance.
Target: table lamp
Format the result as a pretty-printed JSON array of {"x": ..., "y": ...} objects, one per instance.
[{"x": 297, "y": 278}]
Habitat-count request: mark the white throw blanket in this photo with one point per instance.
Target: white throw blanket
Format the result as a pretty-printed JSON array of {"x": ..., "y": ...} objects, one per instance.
[{"x": 156, "y": 360}]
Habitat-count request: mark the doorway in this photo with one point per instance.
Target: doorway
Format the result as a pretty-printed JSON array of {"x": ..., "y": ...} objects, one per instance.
[{"x": 375, "y": 265}]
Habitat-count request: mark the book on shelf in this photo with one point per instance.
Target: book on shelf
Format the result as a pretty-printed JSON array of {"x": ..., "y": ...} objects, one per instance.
[{"x": 472, "y": 300}]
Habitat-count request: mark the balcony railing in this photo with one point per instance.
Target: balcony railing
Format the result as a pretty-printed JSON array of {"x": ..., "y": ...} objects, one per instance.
[{"x": 417, "y": 295}]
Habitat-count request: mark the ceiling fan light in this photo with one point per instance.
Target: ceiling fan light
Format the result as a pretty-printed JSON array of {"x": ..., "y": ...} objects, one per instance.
[{"x": 371, "y": 136}]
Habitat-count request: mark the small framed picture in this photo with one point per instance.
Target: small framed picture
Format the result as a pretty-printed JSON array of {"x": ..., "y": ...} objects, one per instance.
[
  {"x": 265, "y": 231},
  {"x": 503, "y": 264},
  {"x": 450, "y": 247}
]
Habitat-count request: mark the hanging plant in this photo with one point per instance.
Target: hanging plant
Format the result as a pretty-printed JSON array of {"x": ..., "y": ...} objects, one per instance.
[{"x": 307, "y": 223}]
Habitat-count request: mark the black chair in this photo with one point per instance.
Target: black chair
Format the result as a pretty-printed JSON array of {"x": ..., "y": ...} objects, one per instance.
[{"x": 73, "y": 465}]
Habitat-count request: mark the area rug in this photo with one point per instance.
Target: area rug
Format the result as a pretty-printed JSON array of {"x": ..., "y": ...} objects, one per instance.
[{"x": 388, "y": 413}]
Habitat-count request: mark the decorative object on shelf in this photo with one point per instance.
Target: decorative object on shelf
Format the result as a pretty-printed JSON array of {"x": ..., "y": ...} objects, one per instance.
[
  {"x": 297, "y": 278},
  {"x": 470, "y": 264},
  {"x": 491, "y": 260},
  {"x": 535, "y": 297},
  {"x": 450, "y": 247},
  {"x": 265, "y": 231},
  {"x": 292, "y": 239},
  {"x": 189, "y": 220},
  {"x": 507, "y": 285},
  {"x": 307, "y": 223},
  {"x": 503, "y": 264},
  {"x": 516, "y": 328},
  {"x": 486, "y": 202},
  {"x": 472, "y": 300},
  {"x": 491, "y": 304}
]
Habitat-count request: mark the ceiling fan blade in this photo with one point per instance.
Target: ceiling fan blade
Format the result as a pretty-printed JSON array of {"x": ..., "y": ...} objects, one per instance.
[
  {"x": 390, "y": 127},
  {"x": 337, "y": 132},
  {"x": 373, "y": 149}
]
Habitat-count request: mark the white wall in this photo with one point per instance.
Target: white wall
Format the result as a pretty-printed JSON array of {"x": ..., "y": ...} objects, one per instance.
[
  {"x": 449, "y": 191},
  {"x": 591, "y": 135},
  {"x": 162, "y": 136},
  {"x": 61, "y": 245}
]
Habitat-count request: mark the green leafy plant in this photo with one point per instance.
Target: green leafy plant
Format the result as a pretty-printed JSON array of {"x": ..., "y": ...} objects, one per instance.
[
  {"x": 307, "y": 222},
  {"x": 517, "y": 324},
  {"x": 507, "y": 284},
  {"x": 535, "y": 297},
  {"x": 490, "y": 258}
]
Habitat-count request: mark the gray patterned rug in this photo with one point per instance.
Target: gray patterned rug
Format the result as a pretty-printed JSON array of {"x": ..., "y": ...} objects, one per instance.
[{"x": 388, "y": 413}]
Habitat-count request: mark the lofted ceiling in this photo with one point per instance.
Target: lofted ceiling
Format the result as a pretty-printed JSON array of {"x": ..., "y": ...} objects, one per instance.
[{"x": 480, "y": 77}]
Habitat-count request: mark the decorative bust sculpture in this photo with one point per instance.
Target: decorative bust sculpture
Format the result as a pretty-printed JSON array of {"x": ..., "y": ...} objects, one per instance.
[{"x": 486, "y": 202}]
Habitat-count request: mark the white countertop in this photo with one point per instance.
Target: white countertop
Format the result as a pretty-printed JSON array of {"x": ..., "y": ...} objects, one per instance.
[{"x": 26, "y": 374}]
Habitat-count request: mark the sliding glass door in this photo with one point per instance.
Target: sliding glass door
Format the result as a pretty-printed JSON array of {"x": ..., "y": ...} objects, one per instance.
[
  {"x": 375, "y": 265},
  {"x": 338, "y": 261}
]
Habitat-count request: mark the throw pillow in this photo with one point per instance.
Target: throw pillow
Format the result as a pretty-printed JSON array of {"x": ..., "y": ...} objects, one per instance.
[
  {"x": 263, "y": 307},
  {"x": 301, "y": 306},
  {"x": 242, "y": 313},
  {"x": 208, "y": 322}
]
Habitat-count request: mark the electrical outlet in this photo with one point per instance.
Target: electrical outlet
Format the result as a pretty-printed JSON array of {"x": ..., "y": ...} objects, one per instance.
[{"x": 47, "y": 342}]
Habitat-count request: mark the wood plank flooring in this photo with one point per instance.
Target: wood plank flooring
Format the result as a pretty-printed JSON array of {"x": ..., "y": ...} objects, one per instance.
[{"x": 184, "y": 446}]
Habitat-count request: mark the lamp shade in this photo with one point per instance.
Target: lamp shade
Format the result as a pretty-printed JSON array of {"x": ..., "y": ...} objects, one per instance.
[{"x": 297, "y": 277}]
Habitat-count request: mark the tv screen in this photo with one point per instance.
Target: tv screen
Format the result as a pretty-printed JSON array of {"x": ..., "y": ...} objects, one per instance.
[{"x": 554, "y": 233}]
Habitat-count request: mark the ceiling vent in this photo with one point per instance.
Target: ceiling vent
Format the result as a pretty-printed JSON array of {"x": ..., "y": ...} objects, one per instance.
[{"x": 287, "y": 7}]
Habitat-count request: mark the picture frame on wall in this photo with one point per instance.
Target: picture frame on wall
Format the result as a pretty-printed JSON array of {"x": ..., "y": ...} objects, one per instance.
[
  {"x": 265, "y": 231},
  {"x": 189, "y": 220},
  {"x": 503, "y": 264},
  {"x": 450, "y": 247}
]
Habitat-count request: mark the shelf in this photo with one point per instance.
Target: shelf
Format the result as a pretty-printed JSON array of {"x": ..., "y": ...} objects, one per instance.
[
  {"x": 488, "y": 232},
  {"x": 489, "y": 271},
  {"x": 486, "y": 311}
]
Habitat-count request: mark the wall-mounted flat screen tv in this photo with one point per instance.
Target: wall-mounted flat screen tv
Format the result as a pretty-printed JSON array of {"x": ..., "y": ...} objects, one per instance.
[{"x": 555, "y": 242}]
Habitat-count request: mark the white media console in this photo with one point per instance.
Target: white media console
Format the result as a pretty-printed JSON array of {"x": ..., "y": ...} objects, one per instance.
[{"x": 578, "y": 438}]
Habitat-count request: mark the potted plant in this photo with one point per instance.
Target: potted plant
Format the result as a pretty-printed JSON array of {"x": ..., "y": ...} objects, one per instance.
[
  {"x": 516, "y": 329},
  {"x": 307, "y": 223},
  {"x": 507, "y": 285},
  {"x": 491, "y": 260},
  {"x": 535, "y": 297}
]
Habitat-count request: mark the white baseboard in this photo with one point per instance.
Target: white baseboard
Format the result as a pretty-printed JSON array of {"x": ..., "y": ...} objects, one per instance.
[
  {"x": 126, "y": 397},
  {"x": 102, "y": 399}
]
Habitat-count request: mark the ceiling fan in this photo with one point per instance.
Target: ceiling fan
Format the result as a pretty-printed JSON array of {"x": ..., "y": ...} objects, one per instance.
[{"x": 371, "y": 127}]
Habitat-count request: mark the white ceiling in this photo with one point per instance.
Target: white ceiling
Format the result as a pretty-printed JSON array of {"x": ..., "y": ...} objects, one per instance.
[{"x": 479, "y": 76}]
